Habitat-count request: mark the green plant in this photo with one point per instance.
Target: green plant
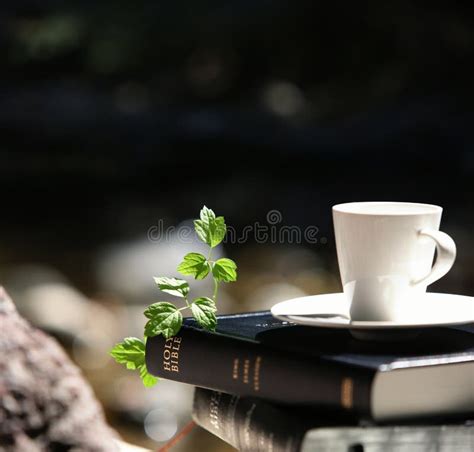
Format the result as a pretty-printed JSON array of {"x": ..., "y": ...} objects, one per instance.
[{"x": 166, "y": 318}]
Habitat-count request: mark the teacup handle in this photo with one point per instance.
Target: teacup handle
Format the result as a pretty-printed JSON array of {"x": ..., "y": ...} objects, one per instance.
[{"x": 446, "y": 255}]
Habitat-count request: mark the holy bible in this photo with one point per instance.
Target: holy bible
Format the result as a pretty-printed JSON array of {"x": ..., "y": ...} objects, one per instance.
[
  {"x": 256, "y": 355},
  {"x": 255, "y": 425}
]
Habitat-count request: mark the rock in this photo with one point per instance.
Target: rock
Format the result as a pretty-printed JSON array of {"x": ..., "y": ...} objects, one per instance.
[{"x": 45, "y": 403}]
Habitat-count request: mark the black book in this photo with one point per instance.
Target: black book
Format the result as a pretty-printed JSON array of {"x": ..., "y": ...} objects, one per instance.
[
  {"x": 256, "y": 355},
  {"x": 255, "y": 425}
]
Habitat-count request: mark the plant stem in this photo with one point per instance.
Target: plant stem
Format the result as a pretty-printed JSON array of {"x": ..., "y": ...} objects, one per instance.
[{"x": 216, "y": 286}]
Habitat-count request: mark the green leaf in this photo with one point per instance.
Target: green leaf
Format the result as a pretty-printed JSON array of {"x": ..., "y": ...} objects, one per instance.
[
  {"x": 173, "y": 286},
  {"x": 204, "y": 311},
  {"x": 218, "y": 231},
  {"x": 148, "y": 379},
  {"x": 156, "y": 309},
  {"x": 194, "y": 264},
  {"x": 225, "y": 270},
  {"x": 165, "y": 319},
  {"x": 210, "y": 229},
  {"x": 130, "y": 352}
]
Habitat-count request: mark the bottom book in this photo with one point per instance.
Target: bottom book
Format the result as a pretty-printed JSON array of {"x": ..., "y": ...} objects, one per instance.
[{"x": 254, "y": 425}]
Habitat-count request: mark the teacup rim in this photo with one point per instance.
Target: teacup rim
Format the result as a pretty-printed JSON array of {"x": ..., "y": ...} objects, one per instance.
[{"x": 350, "y": 208}]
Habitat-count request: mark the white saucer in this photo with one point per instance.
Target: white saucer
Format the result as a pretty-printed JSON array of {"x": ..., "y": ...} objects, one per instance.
[{"x": 332, "y": 311}]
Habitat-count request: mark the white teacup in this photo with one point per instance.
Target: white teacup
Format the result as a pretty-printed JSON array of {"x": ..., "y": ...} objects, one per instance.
[{"x": 385, "y": 252}]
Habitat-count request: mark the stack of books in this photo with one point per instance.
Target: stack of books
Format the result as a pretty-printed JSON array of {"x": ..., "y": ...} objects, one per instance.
[{"x": 267, "y": 385}]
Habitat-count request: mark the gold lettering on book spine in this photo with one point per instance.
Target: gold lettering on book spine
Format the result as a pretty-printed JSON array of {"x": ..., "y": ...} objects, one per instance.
[
  {"x": 246, "y": 370},
  {"x": 256, "y": 374},
  {"x": 235, "y": 369},
  {"x": 347, "y": 393},
  {"x": 171, "y": 354}
]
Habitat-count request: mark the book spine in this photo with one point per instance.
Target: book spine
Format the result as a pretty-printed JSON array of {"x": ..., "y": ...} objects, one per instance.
[
  {"x": 249, "y": 425},
  {"x": 247, "y": 368}
]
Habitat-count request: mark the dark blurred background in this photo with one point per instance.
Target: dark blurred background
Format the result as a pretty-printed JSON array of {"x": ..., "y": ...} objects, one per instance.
[{"x": 116, "y": 116}]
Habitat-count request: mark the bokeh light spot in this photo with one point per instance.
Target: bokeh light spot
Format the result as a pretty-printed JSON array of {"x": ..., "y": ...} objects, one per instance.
[{"x": 160, "y": 425}]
